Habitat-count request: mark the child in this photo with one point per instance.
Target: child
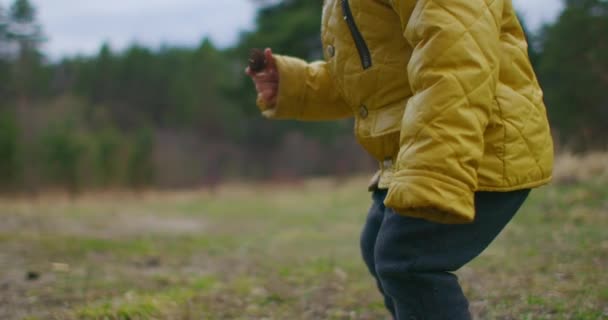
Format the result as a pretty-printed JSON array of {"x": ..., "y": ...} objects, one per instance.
[{"x": 445, "y": 99}]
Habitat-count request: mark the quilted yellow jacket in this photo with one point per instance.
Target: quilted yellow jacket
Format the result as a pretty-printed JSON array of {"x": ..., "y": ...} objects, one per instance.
[{"x": 443, "y": 95}]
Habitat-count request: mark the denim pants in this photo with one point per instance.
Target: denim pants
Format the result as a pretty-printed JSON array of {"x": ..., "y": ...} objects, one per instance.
[{"x": 413, "y": 259}]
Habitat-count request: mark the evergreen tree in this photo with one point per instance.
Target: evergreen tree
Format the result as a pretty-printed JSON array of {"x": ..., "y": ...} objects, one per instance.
[
  {"x": 574, "y": 73},
  {"x": 4, "y": 54},
  {"x": 4, "y": 40},
  {"x": 24, "y": 27},
  {"x": 25, "y": 33}
]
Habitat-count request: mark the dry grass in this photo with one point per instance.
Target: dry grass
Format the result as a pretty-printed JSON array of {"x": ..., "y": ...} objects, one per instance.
[
  {"x": 284, "y": 252},
  {"x": 573, "y": 168}
]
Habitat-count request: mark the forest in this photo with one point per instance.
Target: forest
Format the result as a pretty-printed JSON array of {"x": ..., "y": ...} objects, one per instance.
[{"x": 179, "y": 117}]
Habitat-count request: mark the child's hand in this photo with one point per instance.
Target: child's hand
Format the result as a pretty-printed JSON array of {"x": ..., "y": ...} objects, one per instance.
[{"x": 266, "y": 81}]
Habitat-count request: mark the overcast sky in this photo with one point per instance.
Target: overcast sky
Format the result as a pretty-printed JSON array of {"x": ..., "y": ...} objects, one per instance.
[{"x": 80, "y": 26}]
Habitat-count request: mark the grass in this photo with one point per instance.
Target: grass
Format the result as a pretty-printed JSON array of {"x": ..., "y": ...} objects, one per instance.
[{"x": 281, "y": 252}]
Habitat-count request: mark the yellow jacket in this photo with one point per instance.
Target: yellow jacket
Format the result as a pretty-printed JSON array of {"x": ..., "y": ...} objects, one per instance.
[{"x": 443, "y": 95}]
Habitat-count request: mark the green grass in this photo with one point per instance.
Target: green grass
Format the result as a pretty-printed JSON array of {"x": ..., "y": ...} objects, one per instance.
[{"x": 279, "y": 252}]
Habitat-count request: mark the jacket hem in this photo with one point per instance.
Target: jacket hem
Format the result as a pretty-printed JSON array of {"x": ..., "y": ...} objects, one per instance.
[
  {"x": 527, "y": 185},
  {"x": 442, "y": 201}
]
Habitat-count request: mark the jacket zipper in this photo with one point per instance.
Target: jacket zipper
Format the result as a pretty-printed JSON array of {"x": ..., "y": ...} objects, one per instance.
[{"x": 366, "y": 58}]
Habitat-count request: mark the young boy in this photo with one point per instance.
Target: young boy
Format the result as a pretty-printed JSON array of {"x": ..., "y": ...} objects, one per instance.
[{"x": 445, "y": 99}]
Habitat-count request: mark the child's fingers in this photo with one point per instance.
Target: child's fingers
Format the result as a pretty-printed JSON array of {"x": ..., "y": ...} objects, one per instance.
[
  {"x": 269, "y": 80},
  {"x": 262, "y": 75},
  {"x": 269, "y": 98},
  {"x": 265, "y": 77},
  {"x": 268, "y": 92},
  {"x": 263, "y": 87},
  {"x": 270, "y": 62}
]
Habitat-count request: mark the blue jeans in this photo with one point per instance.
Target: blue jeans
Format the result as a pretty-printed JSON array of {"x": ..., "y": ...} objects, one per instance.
[{"x": 413, "y": 260}]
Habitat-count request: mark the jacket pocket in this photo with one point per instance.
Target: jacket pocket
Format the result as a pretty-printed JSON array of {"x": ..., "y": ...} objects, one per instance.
[
  {"x": 362, "y": 48},
  {"x": 381, "y": 121},
  {"x": 388, "y": 120},
  {"x": 379, "y": 132}
]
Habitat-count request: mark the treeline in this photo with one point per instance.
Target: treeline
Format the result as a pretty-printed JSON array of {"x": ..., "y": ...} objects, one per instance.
[{"x": 172, "y": 117}]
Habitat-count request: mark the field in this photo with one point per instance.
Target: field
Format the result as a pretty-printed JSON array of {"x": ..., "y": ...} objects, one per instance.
[{"x": 283, "y": 252}]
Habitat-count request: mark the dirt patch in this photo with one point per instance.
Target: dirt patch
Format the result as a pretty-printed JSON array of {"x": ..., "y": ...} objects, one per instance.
[
  {"x": 110, "y": 226},
  {"x": 124, "y": 225},
  {"x": 129, "y": 224}
]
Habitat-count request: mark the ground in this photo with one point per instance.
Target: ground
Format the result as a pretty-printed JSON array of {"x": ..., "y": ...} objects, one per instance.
[{"x": 251, "y": 251}]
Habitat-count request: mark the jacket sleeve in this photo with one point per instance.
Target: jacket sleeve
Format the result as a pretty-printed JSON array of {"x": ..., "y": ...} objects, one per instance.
[
  {"x": 306, "y": 92},
  {"x": 453, "y": 73}
]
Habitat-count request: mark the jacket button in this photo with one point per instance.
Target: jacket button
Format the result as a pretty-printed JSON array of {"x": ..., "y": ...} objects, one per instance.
[
  {"x": 363, "y": 113},
  {"x": 331, "y": 51}
]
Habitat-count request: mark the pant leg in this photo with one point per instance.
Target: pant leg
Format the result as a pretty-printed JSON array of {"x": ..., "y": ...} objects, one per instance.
[
  {"x": 368, "y": 241},
  {"x": 415, "y": 258}
]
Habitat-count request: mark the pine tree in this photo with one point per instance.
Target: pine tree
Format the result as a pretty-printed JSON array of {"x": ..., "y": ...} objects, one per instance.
[
  {"x": 4, "y": 41},
  {"x": 574, "y": 73},
  {"x": 25, "y": 36},
  {"x": 23, "y": 27}
]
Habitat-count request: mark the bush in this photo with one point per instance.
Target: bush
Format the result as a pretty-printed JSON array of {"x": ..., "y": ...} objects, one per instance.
[
  {"x": 107, "y": 144},
  {"x": 140, "y": 168},
  {"x": 63, "y": 150}
]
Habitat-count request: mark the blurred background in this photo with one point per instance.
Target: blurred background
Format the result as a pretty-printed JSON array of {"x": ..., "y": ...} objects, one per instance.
[
  {"x": 152, "y": 93},
  {"x": 139, "y": 181}
]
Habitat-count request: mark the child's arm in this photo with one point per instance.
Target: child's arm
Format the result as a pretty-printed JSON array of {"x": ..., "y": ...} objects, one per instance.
[
  {"x": 453, "y": 73},
  {"x": 304, "y": 91}
]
